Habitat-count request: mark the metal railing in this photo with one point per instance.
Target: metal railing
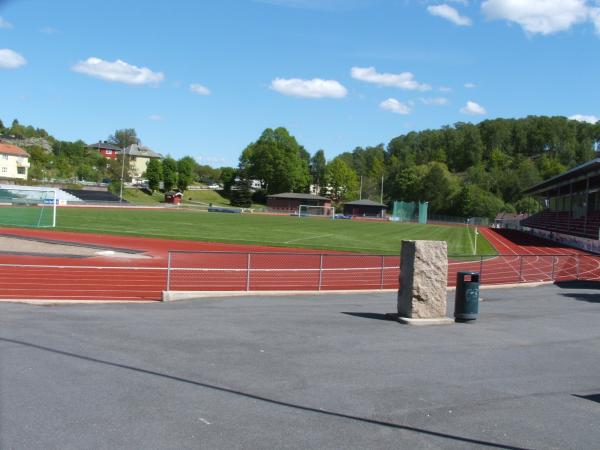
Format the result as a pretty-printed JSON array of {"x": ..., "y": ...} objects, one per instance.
[{"x": 259, "y": 271}]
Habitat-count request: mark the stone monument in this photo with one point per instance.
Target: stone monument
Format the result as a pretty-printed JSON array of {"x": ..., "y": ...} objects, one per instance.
[{"x": 423, "y": 282}]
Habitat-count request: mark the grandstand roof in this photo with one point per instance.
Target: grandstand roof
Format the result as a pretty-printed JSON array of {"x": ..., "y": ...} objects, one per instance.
[
  {"x": 580, "y": 172},
  {"x": 9, "y": 149},
  {"x": 298, "y": 195}
]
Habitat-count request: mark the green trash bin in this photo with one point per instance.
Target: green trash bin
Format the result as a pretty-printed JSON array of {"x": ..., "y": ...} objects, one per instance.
[{"x": 466, "y": 300}]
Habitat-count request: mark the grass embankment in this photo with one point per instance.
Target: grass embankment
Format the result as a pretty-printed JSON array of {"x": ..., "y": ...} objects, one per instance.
[
  {"x": 140, "y": 197},
  {"x": 282, "y": 231}
]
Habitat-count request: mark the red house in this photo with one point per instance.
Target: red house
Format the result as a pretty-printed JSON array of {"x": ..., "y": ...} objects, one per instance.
[{"x": 106, "y": 149}]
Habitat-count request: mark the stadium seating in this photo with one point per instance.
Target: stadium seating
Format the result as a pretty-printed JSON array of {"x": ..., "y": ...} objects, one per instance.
[
  {"x": 94, "y": 196},
  {"x": 560, "y": 222}
]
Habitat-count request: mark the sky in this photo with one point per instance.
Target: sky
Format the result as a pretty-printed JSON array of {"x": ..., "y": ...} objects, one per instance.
[{"x": 205, "y": 78}]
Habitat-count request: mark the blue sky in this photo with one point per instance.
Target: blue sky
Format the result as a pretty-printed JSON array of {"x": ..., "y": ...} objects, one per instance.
[{"x": 204, "y": 78}]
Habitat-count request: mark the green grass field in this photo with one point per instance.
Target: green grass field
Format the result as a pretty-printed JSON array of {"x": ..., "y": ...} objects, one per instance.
[{"x": 280, "y": 231}]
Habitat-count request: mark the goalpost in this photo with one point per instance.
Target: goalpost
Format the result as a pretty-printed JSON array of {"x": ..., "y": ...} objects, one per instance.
[
  {"x": 473, "y": 241},
  {"x": 28, "y": 206},
  {"x": 327, "y": 212}
]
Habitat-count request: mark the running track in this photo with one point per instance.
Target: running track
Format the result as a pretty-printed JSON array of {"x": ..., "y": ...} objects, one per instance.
[{"x": 524, "y": 259}]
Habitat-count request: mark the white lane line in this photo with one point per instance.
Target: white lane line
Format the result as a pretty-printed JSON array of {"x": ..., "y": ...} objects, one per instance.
[{"x": 306, "y": 238}]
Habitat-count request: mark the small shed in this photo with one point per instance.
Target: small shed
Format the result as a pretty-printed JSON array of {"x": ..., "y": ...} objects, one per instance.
[
  {"x": 364, "y": 208},
  {"x": 291, "y": 201},
  {"x": 173, "y": 197}
]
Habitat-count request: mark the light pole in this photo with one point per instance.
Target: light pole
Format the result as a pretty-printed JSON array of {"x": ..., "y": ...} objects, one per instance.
[{"x": 122, "y": 174}]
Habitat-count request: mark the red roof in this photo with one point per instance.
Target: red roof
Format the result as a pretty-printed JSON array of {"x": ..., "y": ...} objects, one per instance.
[{"x": 9, "y": 149}]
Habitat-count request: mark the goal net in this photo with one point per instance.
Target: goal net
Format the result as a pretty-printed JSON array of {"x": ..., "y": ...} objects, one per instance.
[
  {"x": 327, "y": 212},
  {"x": 27, "y": 207}
]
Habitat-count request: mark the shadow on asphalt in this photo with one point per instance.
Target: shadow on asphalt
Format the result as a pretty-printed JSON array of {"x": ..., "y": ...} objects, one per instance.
[
  {"x": 592, "y": 397},
  {"x": 590, "y": 298},
  {"x": 578, "y": 284},
  {"x": 368, "y": 315},
  {"x": 260, "y": 398}
]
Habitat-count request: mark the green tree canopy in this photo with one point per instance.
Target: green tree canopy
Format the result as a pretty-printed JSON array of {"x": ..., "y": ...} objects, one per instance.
[
  {"x": 154, "y": 174},
  {"x": 185, "y": 172},
  {"x": 342, "y": 180},
  {"x": 278, "y": 161},
  {"x": 169, "y": 166},
  {"x": 124, "y": 137}
]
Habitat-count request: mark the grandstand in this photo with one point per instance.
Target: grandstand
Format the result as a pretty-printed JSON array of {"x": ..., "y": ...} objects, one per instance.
[{"x": 571, "y": 213}]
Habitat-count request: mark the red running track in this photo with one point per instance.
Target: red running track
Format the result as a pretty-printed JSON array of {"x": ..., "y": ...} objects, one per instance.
[{"x": 524, "y": 259}]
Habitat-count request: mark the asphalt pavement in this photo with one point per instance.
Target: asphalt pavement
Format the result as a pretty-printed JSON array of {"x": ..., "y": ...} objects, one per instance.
[{"x": 293, "y": 372}]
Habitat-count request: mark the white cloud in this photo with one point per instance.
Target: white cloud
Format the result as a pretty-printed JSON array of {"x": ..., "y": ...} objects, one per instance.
[
  {"x": 538, "y": 16},
  {"x": 438, "y": 101},
  {"x": 10, "y": 59},
  {"x": 199, "y": 89},
  {"x": 595, "y": 18},
  {"x": 395, "y": 106},
  {"x": 315, "y": 88},
  {"x": 155, "y": 117},
  {"x": 118, "y": 71},
  {"x": 48, "y": 30},
  {"x": 449, "y": 13},
  {"x": 584, "y": 118},
  {"x": 404, "y": 80},
  {"x": 5, "y": 24},
  {"x": 470, "y": 85},
  {"x": 473, "y": 109}
]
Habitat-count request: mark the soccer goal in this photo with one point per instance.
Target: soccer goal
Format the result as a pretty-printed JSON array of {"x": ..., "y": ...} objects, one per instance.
[
  {"x": 28, "y": 206},
  {"x": 327, "y": 212}
]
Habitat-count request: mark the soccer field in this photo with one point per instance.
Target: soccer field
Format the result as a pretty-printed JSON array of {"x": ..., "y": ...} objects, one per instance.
[{"x": 280, "y": 231}]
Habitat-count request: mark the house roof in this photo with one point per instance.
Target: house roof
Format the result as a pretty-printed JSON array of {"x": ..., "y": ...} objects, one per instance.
[
  {"x": 105, "y": 146},
  {"x": 365, "y": 203},
  {"x": 141, "y": 150},
  {"x": 9, "y": 149},
  {"x": 298, "y": 196}
]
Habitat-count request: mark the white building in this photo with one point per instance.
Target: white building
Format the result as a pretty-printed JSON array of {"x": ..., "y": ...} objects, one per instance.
[{"x": 14, "y": 162}]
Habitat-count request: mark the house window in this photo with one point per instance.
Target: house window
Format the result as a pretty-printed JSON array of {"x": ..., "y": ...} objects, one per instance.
[
  {"x": 21, "y": 170},
  {"x": 4, "y": 170},
  {"x": 4, "y": 156},
  {"x": 132, "y": 158},
  {"x": 109, "y": 152}
]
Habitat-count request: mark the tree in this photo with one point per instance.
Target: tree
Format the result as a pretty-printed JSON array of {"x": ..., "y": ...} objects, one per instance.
[
  {"x": 228, "y": 175},
  {"x": 342, "y": 180},
  {"x": 185, "y": 172},
  {"x": 241, "y": 195},
  {"x": 169, "y": 166},
  {"x": 154, "y": 174},
  {"x": 318, "y": 169},
  {"x": 278, "y": 161},
  {"x": 124, "y": 138}
]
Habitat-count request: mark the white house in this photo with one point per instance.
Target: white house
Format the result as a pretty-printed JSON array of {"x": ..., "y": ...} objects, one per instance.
[
  {"x": 14, "y": 162},
  {"x": 138, "y": 157}
]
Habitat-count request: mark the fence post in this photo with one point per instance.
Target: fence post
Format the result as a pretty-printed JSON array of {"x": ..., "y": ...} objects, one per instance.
[
  {"x": 521, "y": 270},
  {"x": 248, "y": 262},
  {"x": 320, "y": 271},
  {"x": 169, "y": 271},
  {"x": 480, "y": 267},
  {"x": 578, "y": 258},
  {"x": 382, "y": 270},
  {"x": 553, "y": 268}
]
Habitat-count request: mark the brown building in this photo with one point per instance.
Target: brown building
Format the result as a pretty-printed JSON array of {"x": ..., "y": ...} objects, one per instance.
[
  {"x": 364, "y": 208},
  {"x": 291, "y": 201}
]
